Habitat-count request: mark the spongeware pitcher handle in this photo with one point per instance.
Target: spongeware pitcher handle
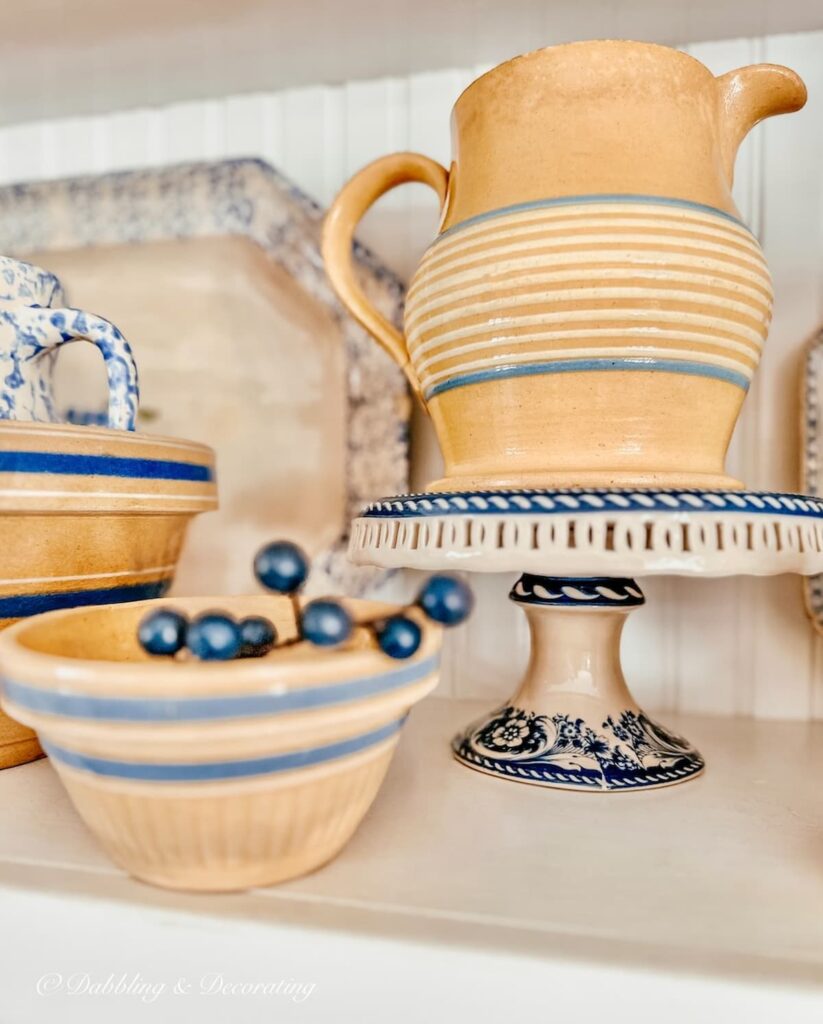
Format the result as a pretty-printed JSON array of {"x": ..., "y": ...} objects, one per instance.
[
  {"x": 338, "y": 232},
  {"x": 751, "y": 94},
  {"x": 49, "y": 328}
]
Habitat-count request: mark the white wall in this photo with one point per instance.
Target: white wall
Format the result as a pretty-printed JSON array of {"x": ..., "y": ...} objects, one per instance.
[{"x": 735, "y": 646}]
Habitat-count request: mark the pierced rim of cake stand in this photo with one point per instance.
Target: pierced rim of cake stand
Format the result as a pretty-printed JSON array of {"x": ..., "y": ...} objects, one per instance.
[{"x": 591, "y": 532}]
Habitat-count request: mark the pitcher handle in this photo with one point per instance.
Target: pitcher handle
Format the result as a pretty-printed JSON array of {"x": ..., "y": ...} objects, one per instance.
[
  {"x": 53, "y": 327},
  {"x": 356, "y": 196}
]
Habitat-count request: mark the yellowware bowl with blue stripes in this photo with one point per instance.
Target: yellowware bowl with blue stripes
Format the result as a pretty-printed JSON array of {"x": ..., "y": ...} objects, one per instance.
[
  {"x": 90, "y": 516},
  {"x": 213, "y": 775}
]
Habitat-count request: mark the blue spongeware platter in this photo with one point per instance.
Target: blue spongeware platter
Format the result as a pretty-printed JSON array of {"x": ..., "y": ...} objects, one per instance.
[
  {"x": 213, "y": 272},
  {"x": 573, "y": 722}
]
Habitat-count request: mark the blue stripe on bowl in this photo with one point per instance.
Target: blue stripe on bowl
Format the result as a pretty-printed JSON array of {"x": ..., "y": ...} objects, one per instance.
[
  {"x": 67, "y": 464},
  {"x": 212, "y": 771},
  {"x": 22, "y": 605},
  {"x": 588, "y": 200},
  {"x": 641, "y": 363},
  {"x": 174, "y": 709}
]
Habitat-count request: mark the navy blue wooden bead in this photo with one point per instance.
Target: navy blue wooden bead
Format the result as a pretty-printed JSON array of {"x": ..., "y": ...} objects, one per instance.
[
  {"x": 399, "y": 637},
  {"x": 446, "y": 599},
  {"x": 213, "y": 636},
  {"x": 257, "y": 636},
  {"x": 281, "y": 566},
  {"x": 325, "y": 623},
  {"x": 163, "y": 632}
]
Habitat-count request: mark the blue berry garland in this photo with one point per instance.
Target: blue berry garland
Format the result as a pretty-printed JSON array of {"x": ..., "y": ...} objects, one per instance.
[{"x": 282, "y": 567}]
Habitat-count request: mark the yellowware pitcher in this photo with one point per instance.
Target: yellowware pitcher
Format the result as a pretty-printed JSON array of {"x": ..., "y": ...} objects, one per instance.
[{"x": 593, "y": 309}]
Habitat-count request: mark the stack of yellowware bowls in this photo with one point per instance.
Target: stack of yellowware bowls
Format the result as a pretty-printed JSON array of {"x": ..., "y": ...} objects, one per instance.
[{"x": 90, "y": 516}]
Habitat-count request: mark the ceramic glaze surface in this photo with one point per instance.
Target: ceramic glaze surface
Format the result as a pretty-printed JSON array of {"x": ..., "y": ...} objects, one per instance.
[
  {"x": 595, "y": 316},
  {"x": 32, "y": 326},
  {"x": 596, "y": 532},
  {"x": 632, "y": 752},
  {"x": 573, "y": 723},
  {"x": 90, "y": 516},
  {"x": 604, "y": 283},
  {"x": 213, "y": 776},
  {"x": 576, "y": 592}
]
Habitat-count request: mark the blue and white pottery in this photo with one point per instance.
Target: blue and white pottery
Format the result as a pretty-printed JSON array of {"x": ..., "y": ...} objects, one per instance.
[
  {"x": 579, "y": 531},
  {"x": 573, "y": 723},
  {"x": 34, "y": 323}
]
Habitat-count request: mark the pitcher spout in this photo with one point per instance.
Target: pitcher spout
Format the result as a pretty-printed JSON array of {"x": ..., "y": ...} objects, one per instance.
[{"x": 751, "y": 94}]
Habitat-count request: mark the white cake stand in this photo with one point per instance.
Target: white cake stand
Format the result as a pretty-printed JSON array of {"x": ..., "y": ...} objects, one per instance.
[{"x": 573, "y": 722}]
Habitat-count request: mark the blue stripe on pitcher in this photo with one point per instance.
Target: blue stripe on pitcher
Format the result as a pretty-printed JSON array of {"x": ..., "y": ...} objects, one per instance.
[
  {"x": 643, "y": 364},
  {"x": 588, "y": 200}
]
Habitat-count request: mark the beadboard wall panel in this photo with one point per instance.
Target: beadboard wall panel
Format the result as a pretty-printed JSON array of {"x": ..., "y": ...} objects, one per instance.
[
  {"x": 792, "y": 229},
  {"x": 735, "y": 646}
]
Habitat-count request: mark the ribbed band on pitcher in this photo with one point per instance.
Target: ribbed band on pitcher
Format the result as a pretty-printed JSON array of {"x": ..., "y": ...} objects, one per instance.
[{"x": 588, "y": 284}]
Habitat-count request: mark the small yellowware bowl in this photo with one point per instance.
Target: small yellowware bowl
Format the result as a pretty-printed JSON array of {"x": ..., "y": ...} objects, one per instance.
[{"x": 213, "y": 775}]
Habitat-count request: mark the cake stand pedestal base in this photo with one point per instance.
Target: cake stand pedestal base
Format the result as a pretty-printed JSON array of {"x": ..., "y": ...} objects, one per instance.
[{"x": 573, "y": 723}]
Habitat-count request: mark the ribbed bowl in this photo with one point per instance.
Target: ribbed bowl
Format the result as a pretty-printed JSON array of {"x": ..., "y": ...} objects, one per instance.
[
  {"x": 90, "y": 516},
  {"x": 212, "y": 776}
]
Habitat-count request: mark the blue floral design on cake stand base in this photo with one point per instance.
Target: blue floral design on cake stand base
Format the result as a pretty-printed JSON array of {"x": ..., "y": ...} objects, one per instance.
[{"x": 573, "y": 722}]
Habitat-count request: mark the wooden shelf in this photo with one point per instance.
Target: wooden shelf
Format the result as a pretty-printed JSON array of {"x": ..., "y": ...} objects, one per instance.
[
  {"x": 497, "y": 896},
  {"x": 76, "y": 57}
]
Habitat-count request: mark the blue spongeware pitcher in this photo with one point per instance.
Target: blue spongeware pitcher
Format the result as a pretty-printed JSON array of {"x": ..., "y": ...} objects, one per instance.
[{"x": 33, "y": 324}]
